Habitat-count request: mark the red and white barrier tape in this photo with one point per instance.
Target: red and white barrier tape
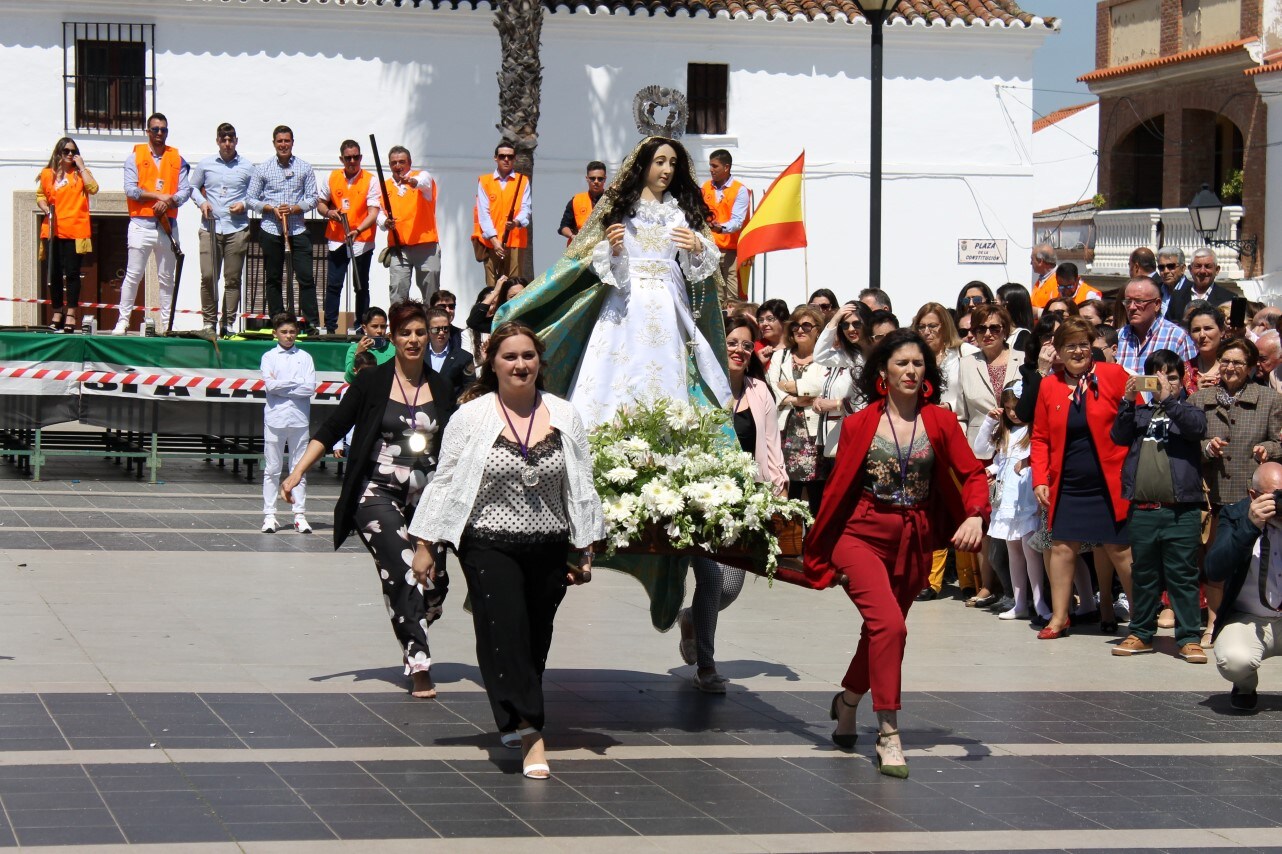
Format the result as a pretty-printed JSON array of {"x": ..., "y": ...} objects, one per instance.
[
  {"x": 134, "y": 309},
  {"x": 168, "y": 380}
]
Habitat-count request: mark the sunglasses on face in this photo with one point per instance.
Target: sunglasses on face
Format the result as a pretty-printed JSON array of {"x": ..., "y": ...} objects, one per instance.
[
  {"x": 975, "y": 300},
  {"x": 966, "y": 332},
  {"x": 989, "y": 329},
  {"x": 822, "y": 306},
  {"x": 596, "y": 180},
  {"x": 352, "y": 158},
  {"x": 159, "y": 131},
  {"x": 448, "y": 306},
  {"x": 439, "y": 330},
  {"x": 1167, "y": 266},
  {"x": 505, "y": 157},
  {"x": 803, "y": 327},
  {"x": 70, "y": 151},
  {"x": 851, "y": 324}
]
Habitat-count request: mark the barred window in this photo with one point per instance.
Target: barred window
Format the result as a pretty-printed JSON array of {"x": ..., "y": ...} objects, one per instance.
[
  {"x": 707, "y": 87},
  {"x": 109, "y": 73}
]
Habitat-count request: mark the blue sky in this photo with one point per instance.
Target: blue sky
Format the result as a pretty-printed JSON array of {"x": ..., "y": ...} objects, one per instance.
[{"x": 1064, "y": 56}]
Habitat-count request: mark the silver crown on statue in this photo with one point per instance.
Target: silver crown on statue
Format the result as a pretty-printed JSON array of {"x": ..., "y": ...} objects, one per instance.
[{"x": 652, "y": 99}]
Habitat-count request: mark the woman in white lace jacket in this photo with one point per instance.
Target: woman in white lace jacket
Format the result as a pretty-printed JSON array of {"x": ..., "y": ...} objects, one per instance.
[{"x": 513, "y": 495}]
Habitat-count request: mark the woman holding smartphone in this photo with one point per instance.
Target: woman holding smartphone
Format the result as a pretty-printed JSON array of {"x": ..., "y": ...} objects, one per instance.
[{"x": 374, "y": 341}]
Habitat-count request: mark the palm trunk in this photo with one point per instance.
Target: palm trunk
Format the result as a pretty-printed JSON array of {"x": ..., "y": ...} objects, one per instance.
[{"x": 520, "y": 76}]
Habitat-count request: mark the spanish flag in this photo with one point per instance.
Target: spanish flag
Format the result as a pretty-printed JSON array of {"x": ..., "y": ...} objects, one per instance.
[{"x": 777, "y": 223}]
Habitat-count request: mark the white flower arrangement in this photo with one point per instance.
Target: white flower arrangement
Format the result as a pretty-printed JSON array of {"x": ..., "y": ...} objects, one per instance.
[{"x": 671, "y": 467}]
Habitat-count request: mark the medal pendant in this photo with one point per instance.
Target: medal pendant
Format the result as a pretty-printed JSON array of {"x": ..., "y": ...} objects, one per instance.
[
  {"x": 530, "y": 476},
  {"x": 417, "y": 442}
]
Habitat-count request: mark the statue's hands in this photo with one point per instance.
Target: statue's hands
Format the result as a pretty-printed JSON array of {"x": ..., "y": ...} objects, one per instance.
[
  {"x": 615, "y": 234},
  {"x": 685, "y": 239}
]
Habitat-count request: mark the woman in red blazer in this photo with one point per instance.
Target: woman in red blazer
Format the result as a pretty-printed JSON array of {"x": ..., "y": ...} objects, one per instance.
[
  {"x": 893, "y": 498},
  {"x": 1077, "y": 471}
]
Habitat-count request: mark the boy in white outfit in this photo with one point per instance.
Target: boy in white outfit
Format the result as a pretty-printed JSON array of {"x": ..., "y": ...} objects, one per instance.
[{"x": 290, "y": 376}]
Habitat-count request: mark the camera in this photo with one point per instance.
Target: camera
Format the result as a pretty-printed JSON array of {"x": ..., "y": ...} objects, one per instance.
[{"x": 1149, "y": 384}]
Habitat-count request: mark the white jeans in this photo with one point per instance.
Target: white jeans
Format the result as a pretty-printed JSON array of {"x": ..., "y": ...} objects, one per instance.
[
  {"x": 1243, "y": 644},
  {"x": 143, "y": 241},
  {"x": 274, "y": 441}
]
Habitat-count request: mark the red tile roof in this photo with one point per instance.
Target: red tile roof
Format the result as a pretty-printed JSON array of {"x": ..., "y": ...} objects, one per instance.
[
  {"x": 1264, "y": 69},
  {"x": 1163, "y": 61},
  {"x": 944, "y": 12},
  {"x": 1059, "y": 116}
]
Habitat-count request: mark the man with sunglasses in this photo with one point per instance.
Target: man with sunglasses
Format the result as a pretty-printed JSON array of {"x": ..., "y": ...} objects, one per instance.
[
  {"x": 220, "y": 188},
  {"x": 502, "y": 230},
  {"x": 156, "y": 186},
  {"x": 351, "y": 195},
  {"x": 451, "y": 361},
  {"x": 1145, "y": 332},
  {"x": 579, "y": 208}
]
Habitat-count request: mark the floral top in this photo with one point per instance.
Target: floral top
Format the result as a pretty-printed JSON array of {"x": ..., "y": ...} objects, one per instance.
[
  {"x": 396, "y": 464},
  {"x": 882, "y": 474}
]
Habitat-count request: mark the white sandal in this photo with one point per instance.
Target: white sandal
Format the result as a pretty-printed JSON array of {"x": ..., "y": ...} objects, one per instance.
[{"x": 531, "y": 770}]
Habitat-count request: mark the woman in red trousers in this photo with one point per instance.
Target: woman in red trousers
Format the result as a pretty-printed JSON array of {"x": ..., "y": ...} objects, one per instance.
[{"x": 892, "y": 500}]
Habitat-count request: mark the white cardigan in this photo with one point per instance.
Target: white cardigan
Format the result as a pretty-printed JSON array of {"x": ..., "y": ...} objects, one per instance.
[{"x": 446, "y": 504}]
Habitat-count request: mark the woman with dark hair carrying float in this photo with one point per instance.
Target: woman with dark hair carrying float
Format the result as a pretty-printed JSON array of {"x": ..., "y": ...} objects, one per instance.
[{"x": 892, "y": 500}]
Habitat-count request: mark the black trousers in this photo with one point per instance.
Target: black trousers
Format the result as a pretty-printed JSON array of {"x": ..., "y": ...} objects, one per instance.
[
  {"x": 66, "y": 268},
  {"x": 337, "y": 281},
  {"x": 515, "y": 589},
  {"x": 273, "y": 271}
]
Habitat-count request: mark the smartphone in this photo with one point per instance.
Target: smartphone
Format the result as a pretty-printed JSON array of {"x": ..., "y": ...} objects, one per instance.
[
  {"x": 1149, "y": 384},
  {"x": 380, "y": 342},
  {"x": 1277, "y": 498},
  {"x": 1237, "y": 312}
]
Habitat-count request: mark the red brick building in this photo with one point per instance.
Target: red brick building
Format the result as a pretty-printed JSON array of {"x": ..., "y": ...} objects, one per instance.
[{"x": 1177, "y": 107}]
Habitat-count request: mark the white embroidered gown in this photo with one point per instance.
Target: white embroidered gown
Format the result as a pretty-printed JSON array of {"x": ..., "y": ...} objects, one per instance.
[{"x": 638, "y": 350}]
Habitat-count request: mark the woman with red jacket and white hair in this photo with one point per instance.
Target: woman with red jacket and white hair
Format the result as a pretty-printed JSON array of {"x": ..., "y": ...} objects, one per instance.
[
  {"x": 756, "y": 425},
  {"x": 1077, "y": 471},
  {"x": 892, "y": 500}
]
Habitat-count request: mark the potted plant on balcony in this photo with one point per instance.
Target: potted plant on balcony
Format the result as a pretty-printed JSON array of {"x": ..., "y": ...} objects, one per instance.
[{"x": 1231, "y": 189}]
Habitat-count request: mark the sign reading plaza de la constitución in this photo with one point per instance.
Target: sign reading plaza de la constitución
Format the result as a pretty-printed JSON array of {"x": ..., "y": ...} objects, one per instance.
[{"x": 987, "y": 250}]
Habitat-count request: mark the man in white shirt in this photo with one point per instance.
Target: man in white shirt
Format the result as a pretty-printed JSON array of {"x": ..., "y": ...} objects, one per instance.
[
  {"x": 1247, "y": 558},
  {"x": 290, "y": 379}
]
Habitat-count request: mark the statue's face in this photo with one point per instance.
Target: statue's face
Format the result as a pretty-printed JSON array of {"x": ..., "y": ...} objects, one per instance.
[{"x": 662, "y": 168}]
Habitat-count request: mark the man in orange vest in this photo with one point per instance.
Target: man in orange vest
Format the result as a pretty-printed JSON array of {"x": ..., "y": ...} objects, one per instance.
[
  {"x": 579, "y": 208},
  {"x": 412, "y": 194},
  {"x": 66, "y": 185},
  {"x": 155, "y": 186},
  {"x": 502, "y": 230},
  {"x": 728, "y": 201},
  {"x": 1044, "y": 287},
  {"x": 1070, "y": 285},
  {"x": 351, "y": 193}
]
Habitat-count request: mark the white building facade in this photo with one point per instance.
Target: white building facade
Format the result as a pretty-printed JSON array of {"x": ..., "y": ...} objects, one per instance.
[{"x": 957, "y": 151}]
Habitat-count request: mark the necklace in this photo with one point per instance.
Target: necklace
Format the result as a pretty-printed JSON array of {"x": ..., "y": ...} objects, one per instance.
[
  {"x": 529, "y": 474},
  {"x": 417, "y": 439},
  {"x": 902, "y": 456}
]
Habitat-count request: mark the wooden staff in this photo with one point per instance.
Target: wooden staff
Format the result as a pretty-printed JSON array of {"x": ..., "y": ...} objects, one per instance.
[{"x": 393, "y": 239}]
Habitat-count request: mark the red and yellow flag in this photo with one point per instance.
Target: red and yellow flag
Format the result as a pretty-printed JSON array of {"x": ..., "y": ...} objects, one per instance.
[{"x": 778, "y": 222}]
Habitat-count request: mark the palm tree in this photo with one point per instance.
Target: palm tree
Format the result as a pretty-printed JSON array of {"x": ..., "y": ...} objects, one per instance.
[{"x": 520, "y": 26}]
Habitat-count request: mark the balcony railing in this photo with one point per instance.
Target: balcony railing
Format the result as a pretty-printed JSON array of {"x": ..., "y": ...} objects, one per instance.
[{"x": 1118, "y": 233}]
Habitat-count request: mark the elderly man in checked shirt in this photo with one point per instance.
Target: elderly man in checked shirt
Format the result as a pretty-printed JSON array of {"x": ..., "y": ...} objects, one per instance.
[
  {"x": 1145, "y": 332},
  {"x": 283, "y": 189}
]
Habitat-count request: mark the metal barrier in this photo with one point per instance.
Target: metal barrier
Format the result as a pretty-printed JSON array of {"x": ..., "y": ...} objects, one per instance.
[{"x": 31, "y": 449}]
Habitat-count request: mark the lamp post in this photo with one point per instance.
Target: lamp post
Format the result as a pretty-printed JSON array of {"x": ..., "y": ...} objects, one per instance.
[
  {"x": 875, "y": 12},
  {"x": 1205, "y": 211}
]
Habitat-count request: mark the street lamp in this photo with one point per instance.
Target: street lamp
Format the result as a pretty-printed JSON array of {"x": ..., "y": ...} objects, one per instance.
[
  {"x": 1205, "y": 211},
  {"x": 875, "y": 12}
]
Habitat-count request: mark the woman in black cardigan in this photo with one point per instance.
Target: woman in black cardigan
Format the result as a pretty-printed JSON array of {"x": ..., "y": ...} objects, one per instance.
[{"x": 399, "y": 411}]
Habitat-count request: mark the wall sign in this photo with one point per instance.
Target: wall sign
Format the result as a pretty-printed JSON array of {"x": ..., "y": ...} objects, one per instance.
[{"x": 983, "y": 251}]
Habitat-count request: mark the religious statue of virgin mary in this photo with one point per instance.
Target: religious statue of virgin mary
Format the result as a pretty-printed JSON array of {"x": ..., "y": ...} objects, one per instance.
[{"x": 629, "y": 314}]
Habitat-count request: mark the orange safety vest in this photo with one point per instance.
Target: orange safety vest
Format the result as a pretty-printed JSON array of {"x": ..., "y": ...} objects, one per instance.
[
  {"x": 155, "y": 180},
  {"x": 71, "y": 205},
  {"x": 501, "y": 199},
  {"x": 1049, "y": 290},
  {"x": 722, "y": 211},
  {"x": 415, "y": 216},
  {"x": 351, "y": 200}
]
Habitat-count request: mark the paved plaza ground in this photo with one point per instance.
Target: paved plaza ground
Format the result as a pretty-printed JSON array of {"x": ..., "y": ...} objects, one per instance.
[{"x": 171, "y": 678}]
